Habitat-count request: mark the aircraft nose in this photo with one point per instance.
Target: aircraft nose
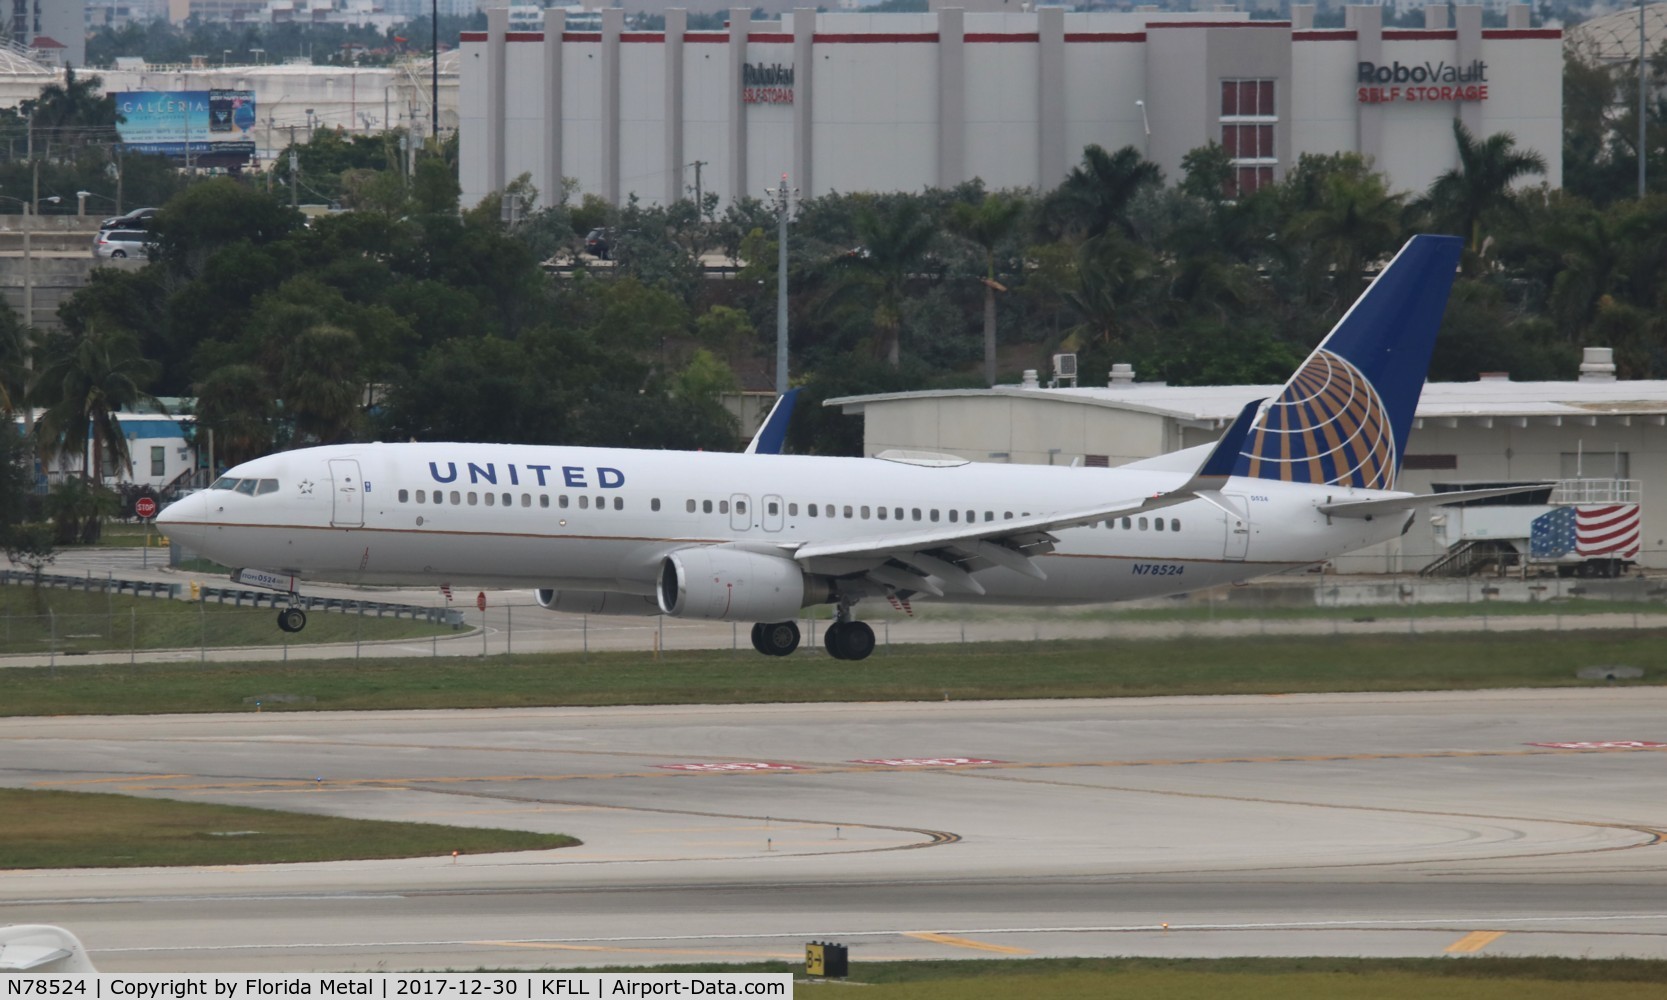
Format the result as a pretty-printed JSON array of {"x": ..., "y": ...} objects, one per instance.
[{"x": 185, "y": 515}]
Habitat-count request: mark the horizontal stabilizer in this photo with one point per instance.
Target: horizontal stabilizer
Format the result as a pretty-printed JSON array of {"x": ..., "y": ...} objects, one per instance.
[{"x": 1416, "y": 501}]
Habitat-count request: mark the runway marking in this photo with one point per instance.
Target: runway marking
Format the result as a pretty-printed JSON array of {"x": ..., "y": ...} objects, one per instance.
[
  {"x": 1473, "y": 942},
  {"x": 961, "y": 942},
  {"x": 699, "y": 952}
]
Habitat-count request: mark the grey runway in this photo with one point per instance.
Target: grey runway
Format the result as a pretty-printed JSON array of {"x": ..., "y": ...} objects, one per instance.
[{"x": 1399, "y": 824}]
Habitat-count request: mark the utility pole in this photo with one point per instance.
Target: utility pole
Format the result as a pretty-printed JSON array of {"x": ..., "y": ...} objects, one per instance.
[
  {"x": 780, "y": 197},
  {"x": 434, "y": 82},
  {"x": 698, "y": 204},
  {"x": 294, "y": 170},
  {"x": 1643, "y": 79}
]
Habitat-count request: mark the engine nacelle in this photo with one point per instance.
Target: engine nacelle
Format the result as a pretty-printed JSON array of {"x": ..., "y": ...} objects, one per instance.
[
  {"x": 732, "y": 585},
  {"x": 596, "y": 602}
]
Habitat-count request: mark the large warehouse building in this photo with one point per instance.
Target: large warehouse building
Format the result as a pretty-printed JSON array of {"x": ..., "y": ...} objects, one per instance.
[
  {"x": 1596, "y": 430},
  {"x": 901, "y": 102}
]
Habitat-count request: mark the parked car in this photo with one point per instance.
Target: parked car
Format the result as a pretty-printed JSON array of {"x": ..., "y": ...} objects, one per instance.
[
  {"x": 598, "y": 244},
  {"x": 139, "y": 218},
  {"x": 122, "y": 243}
]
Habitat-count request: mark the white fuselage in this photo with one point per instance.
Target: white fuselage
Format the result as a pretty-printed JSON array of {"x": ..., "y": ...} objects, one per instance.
[{"x": 602, "y": 519}]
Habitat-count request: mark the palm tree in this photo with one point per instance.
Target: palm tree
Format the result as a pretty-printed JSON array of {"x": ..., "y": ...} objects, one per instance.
[
  {"x": 14, "y": 353},
  {"x": 81, "y": 381},
  {"x": 72, "y": 112},
  {"x": 1461, "y": 199},
  {"x": 1356, "y": 221},
  {"x": 236, "y": 404},
  {"x": 893, "y": 244},
  {"x": 987, "y": 224},
  {"x": 321, "y": 385},
  {"x": 1096, "y": 195}
]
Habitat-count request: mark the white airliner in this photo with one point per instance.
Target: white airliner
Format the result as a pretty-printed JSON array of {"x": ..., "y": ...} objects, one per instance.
[{"x": 757, "y": 537}]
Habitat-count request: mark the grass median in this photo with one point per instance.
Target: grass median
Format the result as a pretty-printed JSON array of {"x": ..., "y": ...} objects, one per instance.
[
  {"x": 52, "y": 829},
  {"x": 1053, "y": 669}
]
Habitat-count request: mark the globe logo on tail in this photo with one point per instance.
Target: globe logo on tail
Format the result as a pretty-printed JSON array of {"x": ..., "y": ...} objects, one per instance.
[{"x": 1328, "y": 427}]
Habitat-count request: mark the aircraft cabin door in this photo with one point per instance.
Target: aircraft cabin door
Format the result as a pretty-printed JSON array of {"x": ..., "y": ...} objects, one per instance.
[
  {"x": 1238, "y": 526},
  {"x": 772, "y": 513},
  {"x": 347, "y": 494},
  {"x": 740, "y": 511}
]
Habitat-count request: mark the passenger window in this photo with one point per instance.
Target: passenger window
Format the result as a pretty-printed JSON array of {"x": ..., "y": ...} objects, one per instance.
[
  {"x": 1127, "y": 524},
  {"x": 865, "y": 512},
  {"x": 723, "y": 506},
  {"x": 561, "y": 501},
  {"x": 422, "y": 496},
  {"x": 848, "y": 511},
  {"x": 472, "y": 498},
  {"x": 267, "y": 486},
  {"x": 810, "y": 509},
  {"x": 508, "y": 501},
  {"x": 584, "y": 503},
  {"x": 689, "y": 505},
  {"x": 792, "y": 510},
  {"x": 972, "y": 515},
  {"x": 1007, "y": 515},
  {"x": 526, "y": 499},
  {"x": 706, "y": 506},
  {"x": 897, "y": 513},
  {"x": 934, "y": 515},
  {"x": 247, "y": 486},
  {"x": 404, "y": 496},
  {"x": 456, "y": 498},
  {"x": 954, "y": 516},
  {"x": 491, "y": 498},
  {"x": 772, "y": 507},
  {"x": 989, "y": 515},
  {"x": 740, "y": 506},
  {"x": 1143, "y": 524},
  {"x": 1157, "y": 524},
  {"x": 654, "y": 504},
  {"x": 880, "y": 511},
  {"x": 544, "y": 500},
  {"x": 619, "y": 503},
  {"x": 1174, "y": 524},
  {"x": 914, "y": 512},
  {"x": 601, "y": 503}
]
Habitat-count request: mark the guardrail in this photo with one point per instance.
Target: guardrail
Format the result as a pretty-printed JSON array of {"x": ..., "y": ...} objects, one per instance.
[{"x": 234, "y": 596}]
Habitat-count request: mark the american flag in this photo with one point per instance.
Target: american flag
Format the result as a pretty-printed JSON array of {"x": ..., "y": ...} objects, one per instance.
[{"x": 1612, "y": 530}]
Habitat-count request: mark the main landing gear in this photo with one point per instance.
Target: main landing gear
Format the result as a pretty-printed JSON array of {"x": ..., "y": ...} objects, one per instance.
[
  {"x": 292, "y": 619},
  {"x": 775, "y": 638},
  {"x": 846, "y": 638}
]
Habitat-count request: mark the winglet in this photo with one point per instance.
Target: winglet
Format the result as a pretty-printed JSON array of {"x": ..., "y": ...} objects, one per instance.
[{"x": 772, "y": 434}]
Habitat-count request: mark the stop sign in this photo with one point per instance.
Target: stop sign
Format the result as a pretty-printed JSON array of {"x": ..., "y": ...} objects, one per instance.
[
  {"x": 144, "y": 507},
  {"x": 480, "y": 600}
]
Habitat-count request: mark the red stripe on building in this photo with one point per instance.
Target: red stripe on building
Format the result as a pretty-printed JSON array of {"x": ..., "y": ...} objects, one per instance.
[
  {"x": 524, "y": 36},
  {"x": 1106, "y": 36},
  {"x": 1510, "y": 33},
  {"x": 1323, "y": 36},
  {"x": 875, "y": 39},
  {"x": 764, "y": 39},
  {"x": 472, "y": 36},
  {"x": 705, "y": 38},
  {"x": 1217, "y": 24},
  {"x": 1419, "y": 35},
  {"x": 643, "y": 36},
  {"x": 581, "y": 36},
  {"x": 979, "y": 37}
]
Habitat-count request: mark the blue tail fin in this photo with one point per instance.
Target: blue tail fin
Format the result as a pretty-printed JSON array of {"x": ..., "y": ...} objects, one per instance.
[{"x": 1344, "y": 417}]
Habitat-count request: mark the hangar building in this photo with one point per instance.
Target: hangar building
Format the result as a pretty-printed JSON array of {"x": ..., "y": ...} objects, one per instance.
[
  {"x": 1490, "y": 431},
  {"x": 900, "y": 102}
]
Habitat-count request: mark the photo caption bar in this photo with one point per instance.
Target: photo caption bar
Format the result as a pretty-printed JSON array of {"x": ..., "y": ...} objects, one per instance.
[{"x": 395, "y": 986}]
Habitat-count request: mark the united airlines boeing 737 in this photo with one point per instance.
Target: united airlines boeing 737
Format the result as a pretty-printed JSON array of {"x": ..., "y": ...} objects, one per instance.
[{"x": 757, "y": 537}]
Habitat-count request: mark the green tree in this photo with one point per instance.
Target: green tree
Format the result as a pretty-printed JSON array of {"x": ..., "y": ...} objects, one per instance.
[
  {"x": 1095, "y": 195},
  {"x": 894, "y": 244},
  {"x": 73, "y": 114},
  {"x": 81, "y": 381},
  {"x": 1354, "y": 221},
  {"x": 1463, "y": 200},
  {"x": 988, "y": 224},
  {"x": 236, "y": 404}
]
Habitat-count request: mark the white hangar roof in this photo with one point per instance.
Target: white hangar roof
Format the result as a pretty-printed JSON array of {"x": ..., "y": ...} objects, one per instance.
[{"x": 1445, "y": 402}]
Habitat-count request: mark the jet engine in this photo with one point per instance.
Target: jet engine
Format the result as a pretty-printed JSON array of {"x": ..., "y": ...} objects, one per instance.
[
  {"x": 734, "y": 586},
  {"x": 596, "y": 602}
]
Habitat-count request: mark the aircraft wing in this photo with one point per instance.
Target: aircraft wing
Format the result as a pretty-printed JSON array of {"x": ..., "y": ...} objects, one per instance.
[
  {"x": 949, "y": 556},
  {"x": 1416, "y": 501}
]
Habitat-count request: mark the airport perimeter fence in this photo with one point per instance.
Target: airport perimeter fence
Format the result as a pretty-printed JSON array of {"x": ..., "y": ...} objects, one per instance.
[{"x": 82, "y": 620}]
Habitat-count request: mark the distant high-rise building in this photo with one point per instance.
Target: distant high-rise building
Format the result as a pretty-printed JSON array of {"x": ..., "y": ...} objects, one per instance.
[
  {"x": 56, "y": 29},
  {"x": 117, "y": 13}
]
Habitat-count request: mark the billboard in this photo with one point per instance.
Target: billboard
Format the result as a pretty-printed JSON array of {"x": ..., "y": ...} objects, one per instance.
[{"x": 210, "y": 126}]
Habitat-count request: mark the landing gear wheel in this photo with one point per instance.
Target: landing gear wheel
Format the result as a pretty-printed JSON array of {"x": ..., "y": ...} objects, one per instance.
[
  {"x": 292, "y": 619},
  {"x": 849, "y": 640},
  {"x": 776, "y": 638}
]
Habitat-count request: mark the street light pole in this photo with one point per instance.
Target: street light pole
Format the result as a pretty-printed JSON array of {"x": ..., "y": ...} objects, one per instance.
[
  {"x": 783, "y": 204},
  {"x": 1643, "y": 77},
  {"x": 434, "y": 79}
]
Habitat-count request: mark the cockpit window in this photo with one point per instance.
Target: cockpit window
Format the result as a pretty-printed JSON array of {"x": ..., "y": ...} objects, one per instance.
[
  {"x": 247, "y": 487},
  {"x": 267, "y": 486},
  {"x": 224, "y": 483}
]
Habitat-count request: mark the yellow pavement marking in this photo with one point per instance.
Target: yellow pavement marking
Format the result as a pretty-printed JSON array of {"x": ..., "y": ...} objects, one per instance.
[
  {"x": 1473, "y": 942},
  {"x": 961, "y": 942}
]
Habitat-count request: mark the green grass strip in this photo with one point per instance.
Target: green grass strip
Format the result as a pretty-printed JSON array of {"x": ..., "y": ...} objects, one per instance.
[
  {"x": 50, "y": 829},
  {"x": 1054, "y": 669}
]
